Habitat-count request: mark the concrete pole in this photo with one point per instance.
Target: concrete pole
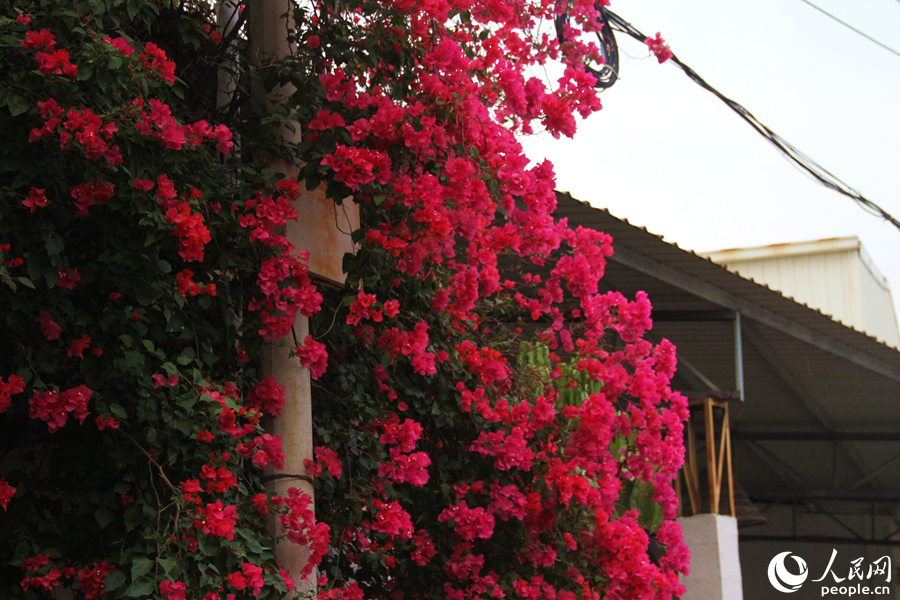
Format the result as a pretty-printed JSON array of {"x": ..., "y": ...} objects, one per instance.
[{"x": 267, "y": 29}]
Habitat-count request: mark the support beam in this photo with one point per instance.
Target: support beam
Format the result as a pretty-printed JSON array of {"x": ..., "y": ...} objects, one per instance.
[
  {"x": 817, "y": 436},
  {"x": 634, "y": 260},
  {"x": 685, "y": 316},
  {"x": 789, "y": 476},
  {"x": 738, "y": 356},
  {"x": 694, "y": 377},
  {"x": 875, "y": 472},
  {"x": 781, "y": 495},
  {"x": 815, "y": 539},
  {"x": 758, "y": 343},
  {"x": 806, "y": 398}
]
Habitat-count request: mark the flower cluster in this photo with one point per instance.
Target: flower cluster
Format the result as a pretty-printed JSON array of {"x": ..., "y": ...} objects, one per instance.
[
  {"x": 53, "y": 407},
  {"x": 437, "y": 435}
]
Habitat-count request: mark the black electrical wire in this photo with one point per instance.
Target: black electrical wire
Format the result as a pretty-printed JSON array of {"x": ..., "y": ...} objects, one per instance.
[
  {"x": 801, "y": 160},
  {"x": 608, "y": 73}
]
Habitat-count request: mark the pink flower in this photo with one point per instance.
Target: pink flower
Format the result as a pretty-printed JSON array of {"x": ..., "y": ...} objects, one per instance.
[
  {"x": 659, "y": 48},
  {"x": 313, "y": 356},
  {"x": 470, "y": 523},
  {"x": 313, "y": 41},
  {"x": 326, "y": 457},
  {"x": 392, "y": 520},
  {"x": 23, "y": 19},
  {"x": 267, "y": 397}
]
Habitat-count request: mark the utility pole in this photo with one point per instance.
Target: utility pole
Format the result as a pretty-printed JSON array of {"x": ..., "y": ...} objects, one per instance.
[{"x": 325, "y": 232}]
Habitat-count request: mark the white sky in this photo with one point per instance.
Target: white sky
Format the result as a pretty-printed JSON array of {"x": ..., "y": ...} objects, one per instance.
[{"x": 668, "y": 155}]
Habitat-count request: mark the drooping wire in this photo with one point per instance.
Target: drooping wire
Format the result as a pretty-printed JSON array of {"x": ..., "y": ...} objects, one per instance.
[
  {"x": 848, "y": 26},
  {"x": 793, "y": 154},
  {"x": 608, "y": 73}
]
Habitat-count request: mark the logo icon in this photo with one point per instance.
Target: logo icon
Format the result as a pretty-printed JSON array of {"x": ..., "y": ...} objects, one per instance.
[{"x": 782, "y": 579}]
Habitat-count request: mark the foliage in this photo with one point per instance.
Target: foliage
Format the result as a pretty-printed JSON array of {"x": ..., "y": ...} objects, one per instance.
[{"x": 487, "y": 423}]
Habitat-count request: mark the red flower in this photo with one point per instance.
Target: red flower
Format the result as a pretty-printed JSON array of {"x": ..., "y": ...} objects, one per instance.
[
  {"x": 23, "y": 19},
  {"x": 159, "y": 379},
  {"x": 39, "y": 39},
  {"x": 267, "y": 396},
  {"x": 14, "y": 385},
  {"x": 313, "y": 356},
  {"x": 144, "y": 185},
  {"x": 78, "y": 346},
  {"x": 68, "y": 278},
  {"x": 172, "y": 590},
  {"x": 49, "y": 328},
  {"x": 108, "y": 422},
  {"x": 36, "y": 199},
  {"x": 6, "y": 493},
  {"x": 91, "y": 579},
  {"x": 56, "y": 63},
  {"x": 120, "y": 44}
]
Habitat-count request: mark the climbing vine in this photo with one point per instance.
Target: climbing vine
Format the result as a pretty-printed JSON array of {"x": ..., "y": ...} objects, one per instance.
[{"x": 487, "y": 423}]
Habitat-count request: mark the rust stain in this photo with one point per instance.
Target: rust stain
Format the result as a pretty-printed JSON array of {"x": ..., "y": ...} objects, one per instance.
[{"x": 324, "y": 229}]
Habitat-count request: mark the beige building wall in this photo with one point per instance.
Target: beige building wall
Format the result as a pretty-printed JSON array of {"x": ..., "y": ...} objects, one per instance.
[{"x": 835, "y": 276}]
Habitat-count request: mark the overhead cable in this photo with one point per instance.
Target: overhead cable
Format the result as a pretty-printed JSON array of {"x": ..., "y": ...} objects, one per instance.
[
  {"x": 798, "y": 158},
  {"x": 848, "y": 26}
]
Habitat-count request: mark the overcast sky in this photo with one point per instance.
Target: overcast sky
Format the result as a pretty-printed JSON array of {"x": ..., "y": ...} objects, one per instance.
[{"x": 667, "y": 155}]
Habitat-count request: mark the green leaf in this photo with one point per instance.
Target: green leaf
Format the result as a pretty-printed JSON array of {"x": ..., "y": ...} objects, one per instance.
[
  {"x": 114, "y": 580},
  {"x": 140, "y": 588},
  {"x": 141, "y": 566},
  {"x": 17, "y": 104},
  {"x": 133, "y": 9},
  {"x": 25, "y": 281},
  {"x": 85, "y": 72},
  {"x": 167, "y": 563},
  {"x": 133, "y": 359},
  {"x": 104, "y": 517},
  {"x": 54, "y": 246},
  {"x": 164, "y": 266}
]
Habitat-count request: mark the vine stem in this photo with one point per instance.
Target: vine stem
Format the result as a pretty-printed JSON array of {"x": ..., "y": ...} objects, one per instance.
[{"x": 152, "y": 460}]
